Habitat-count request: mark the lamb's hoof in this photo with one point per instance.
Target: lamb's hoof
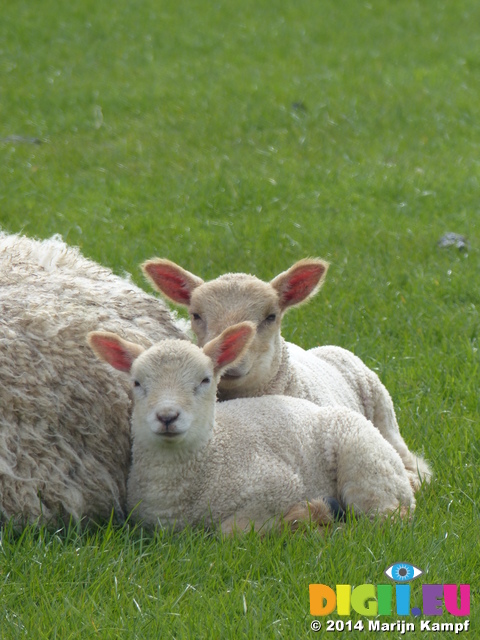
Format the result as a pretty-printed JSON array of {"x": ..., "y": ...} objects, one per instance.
[
  {"x": 404, "y": 513},
  {"x": 322, "y": 512},
  {"x": 338, "y": 513},
  {"x": 232, "y": 526}
]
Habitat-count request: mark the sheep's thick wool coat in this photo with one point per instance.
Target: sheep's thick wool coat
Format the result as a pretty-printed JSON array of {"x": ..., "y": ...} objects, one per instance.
[
  {"x": 64, "y": 416},
  {"x": 264, "y": 456}
]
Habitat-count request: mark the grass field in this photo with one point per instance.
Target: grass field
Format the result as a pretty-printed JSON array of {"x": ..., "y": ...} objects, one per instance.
[{"x": 244, "y": 136}]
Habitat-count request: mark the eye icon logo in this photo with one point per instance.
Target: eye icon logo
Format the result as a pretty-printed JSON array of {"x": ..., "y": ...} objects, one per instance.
[{"x": 402, "y": 572}]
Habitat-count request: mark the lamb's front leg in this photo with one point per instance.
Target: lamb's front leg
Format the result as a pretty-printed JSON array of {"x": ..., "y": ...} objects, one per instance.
[
  {"x": 244, "y": 521},
  {"x": 319, "y": 511},
  {"x": 238, "y": 523}
]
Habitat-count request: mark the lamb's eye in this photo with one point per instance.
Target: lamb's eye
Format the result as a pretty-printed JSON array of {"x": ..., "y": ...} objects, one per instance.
[
  {"x": 136, "y": 384},
  {"x": 271, "y": 318},
  {"x": 203, "y": 385},
  {"x": 196, "y": 316}
]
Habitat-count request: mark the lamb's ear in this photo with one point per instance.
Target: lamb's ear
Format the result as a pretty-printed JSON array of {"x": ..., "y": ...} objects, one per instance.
[
  {"x": 110, "y": 348},
  {"x": 300, "y": 282},
  {"x": 175, "y": 283},
  {"x": 230, "y": 345}
]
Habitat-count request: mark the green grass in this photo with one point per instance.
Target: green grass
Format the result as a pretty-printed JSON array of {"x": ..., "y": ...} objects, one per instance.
[{"x": 244, "y": 136}]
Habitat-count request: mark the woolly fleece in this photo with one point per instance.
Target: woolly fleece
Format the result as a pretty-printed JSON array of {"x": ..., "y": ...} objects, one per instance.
[{"x": 64, "y": 416}]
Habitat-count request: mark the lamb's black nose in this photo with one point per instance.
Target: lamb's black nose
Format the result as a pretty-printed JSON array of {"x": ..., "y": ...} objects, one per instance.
[{"x": 167, "y": 419}]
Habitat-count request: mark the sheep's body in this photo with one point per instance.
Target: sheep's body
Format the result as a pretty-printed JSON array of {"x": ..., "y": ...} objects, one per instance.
[
  {"x": 265, "y": 456},
  {"x": 331, "y": 376},
  {"x": 64, "y": 418},
  {"x": 245, "y": 460},
  {"x": 327, "y": 376}
]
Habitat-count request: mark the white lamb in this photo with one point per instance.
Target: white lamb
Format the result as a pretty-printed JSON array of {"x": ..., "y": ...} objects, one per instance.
[
  {"x": 328, "y": 375},
  {"x": 64, "y": 419},
  {"x": 245, "y": 460}
]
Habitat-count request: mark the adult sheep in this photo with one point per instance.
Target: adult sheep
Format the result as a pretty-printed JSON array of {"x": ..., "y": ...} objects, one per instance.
[{"x": 64, "y": 417}]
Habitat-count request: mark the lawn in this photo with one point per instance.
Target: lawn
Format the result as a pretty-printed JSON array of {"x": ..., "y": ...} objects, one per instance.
[{"x": 242, "y": 137}]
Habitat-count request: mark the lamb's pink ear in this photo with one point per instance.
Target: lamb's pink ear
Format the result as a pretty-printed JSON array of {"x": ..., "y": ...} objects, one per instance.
[
  {"x": 230, "y": 345},
  {"x": 110, "y": 348},
  {"x": 175, "y": 283},
  {"x": 300, "y": 282}
]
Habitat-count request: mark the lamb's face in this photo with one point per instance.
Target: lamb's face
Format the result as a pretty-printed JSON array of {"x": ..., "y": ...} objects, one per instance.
[
  {"x": 234, "y": 298},
  {"x": 231, "y": 299},
  {"x": 174, "y": 391}
]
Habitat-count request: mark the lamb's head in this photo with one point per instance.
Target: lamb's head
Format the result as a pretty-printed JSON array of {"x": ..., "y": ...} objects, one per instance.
[
  {"x": 238, "y": 297},
  {"x": 174, "y": 383}
]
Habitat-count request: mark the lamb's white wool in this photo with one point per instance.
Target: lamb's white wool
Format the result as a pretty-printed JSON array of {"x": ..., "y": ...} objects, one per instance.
[
  {"x": 245, "y": 460},
  {"x": 327, "y": 376},
  {"x": 64, "y": 416}
]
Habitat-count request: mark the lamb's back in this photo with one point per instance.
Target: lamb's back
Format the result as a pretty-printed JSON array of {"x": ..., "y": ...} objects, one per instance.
[{"x": 320, "y": 380}]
